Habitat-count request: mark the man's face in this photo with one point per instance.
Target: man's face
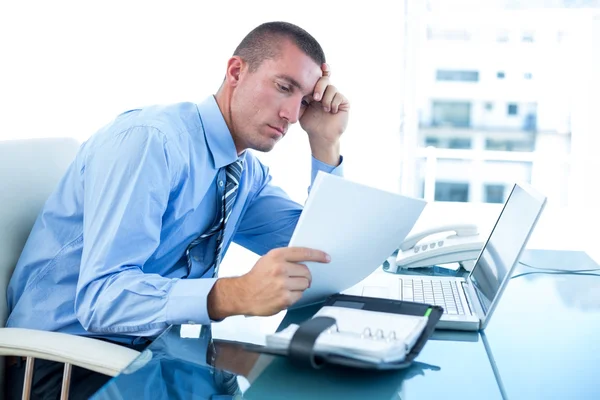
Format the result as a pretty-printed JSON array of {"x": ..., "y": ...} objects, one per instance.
[{"x": 265, "y": 102}]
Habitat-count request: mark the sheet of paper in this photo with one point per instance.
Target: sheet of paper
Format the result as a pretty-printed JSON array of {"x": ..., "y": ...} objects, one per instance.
[{"x": 357, "y": 225}]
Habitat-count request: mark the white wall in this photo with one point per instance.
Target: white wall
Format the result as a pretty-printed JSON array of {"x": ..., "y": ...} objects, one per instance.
[{"x": 69, "y": 67}]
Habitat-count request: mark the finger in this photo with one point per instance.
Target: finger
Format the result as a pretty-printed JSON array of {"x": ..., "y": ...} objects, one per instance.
[
  {"x": 297, "y": 284},
  {"x": 320, "y": 87},
  {"x": 337, "y": 101},
  {"x": 294, "y": 296},
  {"x": 328, "y": 96},
  {"x": 294, "y": 270},
  {"x": 326, "y": 69},
  {"x": 300, "y": 254}
]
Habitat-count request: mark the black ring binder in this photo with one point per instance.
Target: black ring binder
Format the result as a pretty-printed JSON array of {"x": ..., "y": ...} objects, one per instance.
[{"x": 301, "y": 348}]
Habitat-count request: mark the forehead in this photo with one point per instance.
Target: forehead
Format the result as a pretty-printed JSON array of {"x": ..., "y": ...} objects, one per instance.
[{"x": 294, "y": 63}]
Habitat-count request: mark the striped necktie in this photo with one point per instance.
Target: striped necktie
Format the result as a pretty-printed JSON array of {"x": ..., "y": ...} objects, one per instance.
[{"x": 233, "y": 173}]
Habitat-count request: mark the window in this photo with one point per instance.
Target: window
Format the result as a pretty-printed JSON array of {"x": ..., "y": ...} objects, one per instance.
[
  {"x": 457, "y": 75},
  {"x": 451, "y": 191},
  {"x": 509, "y": 145},
  {"x": 527, "y": 75},
  {"x": 528, "y": 37},
  {"x": 488, "y": 106},
  {"x": 512, "y": 109},
  {"x": 494, "y": 194},
  {"x": 530, "y": 122},
  {"x": 432, "y": 141},
  {"x": 459, "y": 143},
  {"x": 500, "y": 74},
  {"x": 442, "y": 142},
  {"x": 451, "y": 113}
]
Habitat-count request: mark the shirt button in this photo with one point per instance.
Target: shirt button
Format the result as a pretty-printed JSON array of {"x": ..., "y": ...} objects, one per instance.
[{"x": 221, "y": 183}]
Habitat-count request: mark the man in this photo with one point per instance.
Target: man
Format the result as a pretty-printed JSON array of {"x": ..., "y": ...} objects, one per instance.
[{"x": 131, "y": 240}]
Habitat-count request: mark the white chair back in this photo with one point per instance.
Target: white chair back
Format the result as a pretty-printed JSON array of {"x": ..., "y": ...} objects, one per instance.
[{"x": 29, "y": 172}]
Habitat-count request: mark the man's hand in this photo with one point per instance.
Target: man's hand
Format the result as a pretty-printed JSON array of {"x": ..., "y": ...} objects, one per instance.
[
  {"x": 325, "y": 119},
  {"x": 275, "y": 282}
]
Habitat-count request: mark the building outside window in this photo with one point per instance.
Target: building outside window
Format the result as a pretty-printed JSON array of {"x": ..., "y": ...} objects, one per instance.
[
  {"x": 452, "y": 191},
  {"x": 451, "y": 113},
  {"x": 494, "y": 193},
  {"x": 473, "y": 141},
  {"x": 457, "y": 75}
]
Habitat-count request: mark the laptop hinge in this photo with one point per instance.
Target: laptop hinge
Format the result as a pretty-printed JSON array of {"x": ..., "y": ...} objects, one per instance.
[{"x": 473, "y": 301}]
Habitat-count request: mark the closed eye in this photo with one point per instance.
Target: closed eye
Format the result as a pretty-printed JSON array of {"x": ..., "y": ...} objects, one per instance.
[{"x": 283, "y": 88}]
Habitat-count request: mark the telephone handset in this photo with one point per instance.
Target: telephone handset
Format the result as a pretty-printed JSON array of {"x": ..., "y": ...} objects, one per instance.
[{"x": 430, "y": 247}]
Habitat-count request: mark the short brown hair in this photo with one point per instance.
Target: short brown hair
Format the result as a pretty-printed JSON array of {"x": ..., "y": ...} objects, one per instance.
[{"x": 261, "y": 43}]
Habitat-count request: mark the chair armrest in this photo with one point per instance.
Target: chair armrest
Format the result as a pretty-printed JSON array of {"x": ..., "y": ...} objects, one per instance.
[{"x": 92, "y": 354}]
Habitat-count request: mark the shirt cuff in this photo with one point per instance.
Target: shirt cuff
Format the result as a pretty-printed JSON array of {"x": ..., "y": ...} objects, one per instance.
[
  {"x": 330, "y": 169},
  {"x": 187, "y": 301}
]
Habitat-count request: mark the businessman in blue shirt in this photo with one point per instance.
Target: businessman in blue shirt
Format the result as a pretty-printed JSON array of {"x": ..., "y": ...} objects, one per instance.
[{"x": 130, "y": 241}]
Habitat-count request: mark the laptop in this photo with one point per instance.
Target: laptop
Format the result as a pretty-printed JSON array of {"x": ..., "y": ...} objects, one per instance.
[{"x": 470, "y": 302}]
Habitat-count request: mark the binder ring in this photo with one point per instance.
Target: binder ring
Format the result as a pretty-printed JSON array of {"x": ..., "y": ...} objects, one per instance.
[{"x": 366, "y": 333}]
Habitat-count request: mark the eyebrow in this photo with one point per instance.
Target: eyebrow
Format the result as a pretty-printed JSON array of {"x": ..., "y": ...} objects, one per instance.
[{"x": 291, "y": 80}]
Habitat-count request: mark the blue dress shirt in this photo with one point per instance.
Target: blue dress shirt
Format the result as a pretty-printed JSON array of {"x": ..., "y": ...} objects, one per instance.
[{"x": 106, "y": 256}]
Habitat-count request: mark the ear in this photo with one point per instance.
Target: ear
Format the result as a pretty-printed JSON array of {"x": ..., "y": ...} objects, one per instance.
[{"x": 235, "y": 69}]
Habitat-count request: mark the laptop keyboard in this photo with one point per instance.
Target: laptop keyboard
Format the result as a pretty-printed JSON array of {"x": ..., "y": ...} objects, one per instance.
[{"x": 439, "y": 293}]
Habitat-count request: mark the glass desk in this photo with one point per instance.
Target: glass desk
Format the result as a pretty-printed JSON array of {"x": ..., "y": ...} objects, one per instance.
[
  {"x": 544, "y": 338},
  {"x": 453, "y": 365},
  {"x": 541, "y": 343}
]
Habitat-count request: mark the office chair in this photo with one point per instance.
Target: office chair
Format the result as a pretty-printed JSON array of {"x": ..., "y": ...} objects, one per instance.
[{"x": 29, "y": 171}]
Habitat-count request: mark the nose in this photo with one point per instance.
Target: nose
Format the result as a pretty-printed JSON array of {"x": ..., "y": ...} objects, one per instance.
[{"x": 290, "y": 110}]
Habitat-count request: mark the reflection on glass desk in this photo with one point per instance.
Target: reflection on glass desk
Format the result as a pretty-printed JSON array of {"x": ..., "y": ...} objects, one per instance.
[
  {"x": 454, "y": 367},
  {"x": 544, "y": 339}
]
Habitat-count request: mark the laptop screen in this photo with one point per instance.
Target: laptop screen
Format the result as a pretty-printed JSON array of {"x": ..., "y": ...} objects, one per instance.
[{"x": 505, "y": 244}]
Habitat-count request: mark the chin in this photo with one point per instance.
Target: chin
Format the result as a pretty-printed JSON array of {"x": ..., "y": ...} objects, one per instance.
[{"x": 264, "y": 147}]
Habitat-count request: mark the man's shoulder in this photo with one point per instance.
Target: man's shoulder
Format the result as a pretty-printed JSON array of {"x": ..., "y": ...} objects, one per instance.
[
  {"x": 169, "y": 126},
  {"x": 171, "y": 119}
]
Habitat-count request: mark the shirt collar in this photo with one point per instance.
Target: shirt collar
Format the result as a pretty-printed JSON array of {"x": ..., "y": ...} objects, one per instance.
[{"x": 218, "y": 138}]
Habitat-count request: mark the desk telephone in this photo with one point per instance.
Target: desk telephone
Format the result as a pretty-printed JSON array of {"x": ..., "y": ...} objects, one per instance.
[{"x": 430, "y": 247}]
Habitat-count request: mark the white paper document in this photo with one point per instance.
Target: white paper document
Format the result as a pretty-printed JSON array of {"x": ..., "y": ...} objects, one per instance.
[{"x": 357, "y": 225}]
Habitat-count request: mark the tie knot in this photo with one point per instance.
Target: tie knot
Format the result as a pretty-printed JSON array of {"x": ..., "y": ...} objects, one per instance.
[{"x": 235, "y": 170}]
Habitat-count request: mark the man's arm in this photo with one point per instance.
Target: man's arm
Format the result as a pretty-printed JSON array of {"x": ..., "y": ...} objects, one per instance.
[
  {"x": 127, "y": 183},
  {"x": 325, "y": 119}
]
